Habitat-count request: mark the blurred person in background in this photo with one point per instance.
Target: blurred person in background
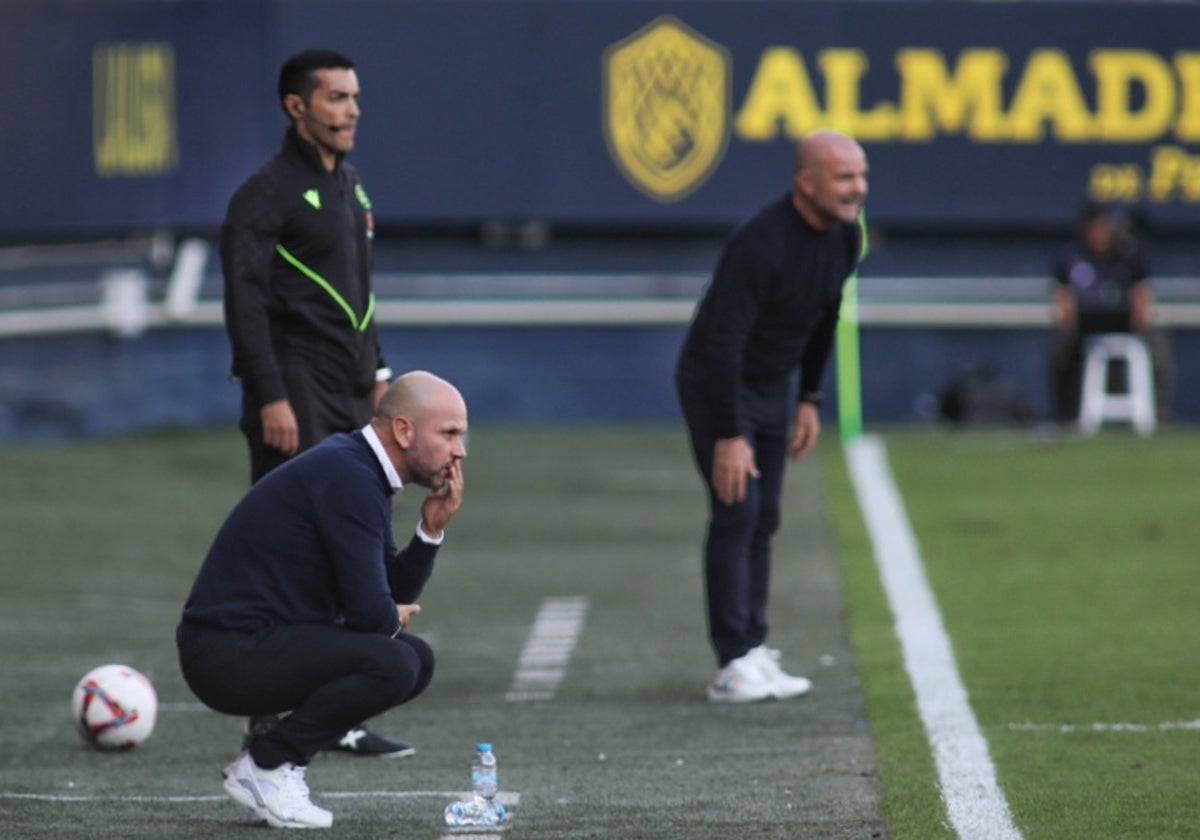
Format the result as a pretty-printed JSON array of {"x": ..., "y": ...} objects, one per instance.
[
  {"x": 1102, "y": 285},
  {"x": 770, "y": 310},
  {"x": 299, "y": 304}
]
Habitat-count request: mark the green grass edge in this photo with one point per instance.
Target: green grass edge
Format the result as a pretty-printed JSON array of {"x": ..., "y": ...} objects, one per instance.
[{"x": 912, "y": 799}]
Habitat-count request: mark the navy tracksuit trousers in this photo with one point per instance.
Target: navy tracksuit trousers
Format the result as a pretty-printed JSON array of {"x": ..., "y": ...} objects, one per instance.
[
  {"x": 737, "y": 548},
  {"x": 329, "y": 678}
]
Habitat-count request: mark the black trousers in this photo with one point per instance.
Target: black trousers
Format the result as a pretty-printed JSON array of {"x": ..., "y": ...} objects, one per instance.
[
  {"x": 737, "y": 546},
  {"x": 329, "y": 678},
  {"x": 323, "y": 405}
]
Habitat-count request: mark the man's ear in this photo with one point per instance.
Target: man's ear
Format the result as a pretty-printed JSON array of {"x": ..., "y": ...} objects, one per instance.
[
  {"x": 294, "y": 105},
  {"x": 804, "y": 182},
  {"x": 403, "y": 431}
]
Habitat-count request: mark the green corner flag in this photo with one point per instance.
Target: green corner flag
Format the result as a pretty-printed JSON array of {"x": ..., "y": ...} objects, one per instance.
[{"x": 849, "y": 376}]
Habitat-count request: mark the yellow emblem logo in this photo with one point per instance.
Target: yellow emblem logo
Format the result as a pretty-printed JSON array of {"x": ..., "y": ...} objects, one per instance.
[{"x": 666, "y": 107}]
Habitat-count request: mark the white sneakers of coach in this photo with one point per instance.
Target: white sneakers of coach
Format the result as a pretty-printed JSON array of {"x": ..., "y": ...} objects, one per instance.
[
  {"x": 754, "y": 676},
  {"x": 279, "y": 796}
]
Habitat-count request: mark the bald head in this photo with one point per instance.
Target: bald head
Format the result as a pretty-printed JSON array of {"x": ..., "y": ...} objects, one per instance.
[
  {"x": 415, "y": 394},
  {"x": 821, "y": 148},
  {"x": 831, "y": 178},
  {"x": 421, "y": 421}
]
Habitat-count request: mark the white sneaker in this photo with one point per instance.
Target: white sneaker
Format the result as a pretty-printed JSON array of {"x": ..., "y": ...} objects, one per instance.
[
  {"x": 742, "y": 680},
  {"x": 279, "y": 796},
  {"x": 783, "y": 685}
]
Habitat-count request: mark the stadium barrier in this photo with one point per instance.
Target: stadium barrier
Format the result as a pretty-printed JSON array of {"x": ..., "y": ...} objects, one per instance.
[{"x": 548, "y": 346}]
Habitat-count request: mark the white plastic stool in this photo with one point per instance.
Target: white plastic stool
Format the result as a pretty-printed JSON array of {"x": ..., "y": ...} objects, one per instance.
[{"x": 1136, "y": 403}]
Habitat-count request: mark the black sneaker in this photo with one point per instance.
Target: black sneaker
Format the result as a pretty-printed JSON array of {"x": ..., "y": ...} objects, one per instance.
[{"x": 359, "y": 741}]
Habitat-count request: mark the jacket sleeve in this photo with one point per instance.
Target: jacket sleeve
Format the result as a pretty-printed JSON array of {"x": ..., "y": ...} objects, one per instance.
[
  {"x": 738, "y": 288},
  {"x": 355, "y": 531},
  {"x": 410, "y": 569},
  {"x": 249, "y": 234},
  {"x": 816, "y": 353}
]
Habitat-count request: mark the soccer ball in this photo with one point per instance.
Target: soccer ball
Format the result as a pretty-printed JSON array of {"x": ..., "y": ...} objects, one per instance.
[{"x": 114, "y": 707}]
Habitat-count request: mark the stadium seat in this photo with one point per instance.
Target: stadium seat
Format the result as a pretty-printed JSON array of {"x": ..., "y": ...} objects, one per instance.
[{"x": 1135, "y": 403}]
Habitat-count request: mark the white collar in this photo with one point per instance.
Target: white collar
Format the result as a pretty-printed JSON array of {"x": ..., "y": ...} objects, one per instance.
[{"x": 389, "y": 468}]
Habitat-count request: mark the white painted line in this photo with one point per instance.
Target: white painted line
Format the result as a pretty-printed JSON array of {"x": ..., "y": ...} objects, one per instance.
[
  {"x": 506, "y": 798},
  {"x": 543, "y": 661},
  {"x": 509, "y": 799},
  {"x": 974, "y": 802},
  {"x": 66, "y": 797},
  {"x": 1165, "y": 726}
]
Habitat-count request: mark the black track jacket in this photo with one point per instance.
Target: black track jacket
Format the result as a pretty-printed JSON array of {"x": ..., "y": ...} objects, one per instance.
[{"x": 296, "y": 257}]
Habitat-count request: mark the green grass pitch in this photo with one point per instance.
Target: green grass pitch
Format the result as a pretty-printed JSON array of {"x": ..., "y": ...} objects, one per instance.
[
  {"x": 101, "y": 540},
  {"x": 1065, "y": 571}
]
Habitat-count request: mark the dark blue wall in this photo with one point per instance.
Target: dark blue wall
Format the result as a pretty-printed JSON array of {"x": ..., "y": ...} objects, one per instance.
[{"x": 475, "y": 109}]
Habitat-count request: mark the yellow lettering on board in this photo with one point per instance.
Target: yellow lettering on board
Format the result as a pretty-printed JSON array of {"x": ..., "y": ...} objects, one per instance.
[
  {"x": 1117, "y": 73},
  {"x": 1173, "y": 172},
  {"x": 933, "y": 100},
  {"x": 780, "y": 97},
  {"x": 133, "y": 103},
  {"x": 1111, "y": 182},
  {"x": 1048, "y": 92},
  {"x": 844, "y": 70},
  {"x": 1187, "y": 124}
]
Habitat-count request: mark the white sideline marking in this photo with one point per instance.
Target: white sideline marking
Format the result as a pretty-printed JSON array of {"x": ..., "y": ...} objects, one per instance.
[
  {"x": 974, "y": 801},
  {"x": 543, "y": 661},
  {"x": 1165, "y": 726},
  {"x": 507, "y": 798}
]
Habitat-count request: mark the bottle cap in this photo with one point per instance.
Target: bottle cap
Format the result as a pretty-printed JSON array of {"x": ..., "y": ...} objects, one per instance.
[{"x": 483, "y": 747}]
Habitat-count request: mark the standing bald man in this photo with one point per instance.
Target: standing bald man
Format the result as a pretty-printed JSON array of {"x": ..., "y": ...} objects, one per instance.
[
  {"x": 770, "y": 311},
  {"x": 303, "y": 603}
]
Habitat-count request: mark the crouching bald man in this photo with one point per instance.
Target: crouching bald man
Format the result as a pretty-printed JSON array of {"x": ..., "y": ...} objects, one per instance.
[{"x": 303, "y": 603}]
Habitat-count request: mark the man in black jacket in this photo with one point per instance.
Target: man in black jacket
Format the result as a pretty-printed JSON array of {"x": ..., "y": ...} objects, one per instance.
[
  {"x": 304, "y": 600},
  {"x": 299, "y": 305},
  {"x": 296, "y": 255},
  {"x": 771, "y": 308}
]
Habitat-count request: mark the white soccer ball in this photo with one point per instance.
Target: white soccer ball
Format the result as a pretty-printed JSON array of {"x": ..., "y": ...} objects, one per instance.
[{"x": 115, "y": 707}]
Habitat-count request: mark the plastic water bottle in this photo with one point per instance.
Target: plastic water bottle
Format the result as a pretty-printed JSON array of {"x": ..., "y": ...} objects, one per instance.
[{"x": 482, "y": 808}]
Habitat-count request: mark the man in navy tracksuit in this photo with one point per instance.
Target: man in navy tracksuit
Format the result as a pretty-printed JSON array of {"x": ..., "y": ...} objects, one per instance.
[
  {"x": 302, "y": 605},
  {"x": 771, "y": 309},
  {"x": 299, "y": 306}
]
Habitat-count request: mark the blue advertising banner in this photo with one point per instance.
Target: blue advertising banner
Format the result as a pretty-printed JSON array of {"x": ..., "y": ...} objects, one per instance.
[
  {"x": 138, "y": 113},
  {"x": 126, "y": 114}
]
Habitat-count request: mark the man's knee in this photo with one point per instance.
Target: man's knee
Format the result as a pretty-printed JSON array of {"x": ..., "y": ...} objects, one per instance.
[
  {"x": 736, "y": 519},
  {"x": 769, "y": 519},
  {"x": 405, "y": 667}
]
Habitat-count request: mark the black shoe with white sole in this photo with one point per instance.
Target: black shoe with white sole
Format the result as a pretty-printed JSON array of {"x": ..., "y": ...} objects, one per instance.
[
  {"x": 357, "y": 741},
  {"x": 360, "y": 741}
]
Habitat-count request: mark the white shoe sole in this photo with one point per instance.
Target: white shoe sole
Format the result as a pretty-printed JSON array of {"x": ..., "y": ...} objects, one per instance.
[
  {"x": 239, "y": 794},
  {"x": 716, "y": 696},
  {"x": 278, "y": 823},
  {"x": 242, "y": 795},
  {"x": 799, "y": 689}
]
